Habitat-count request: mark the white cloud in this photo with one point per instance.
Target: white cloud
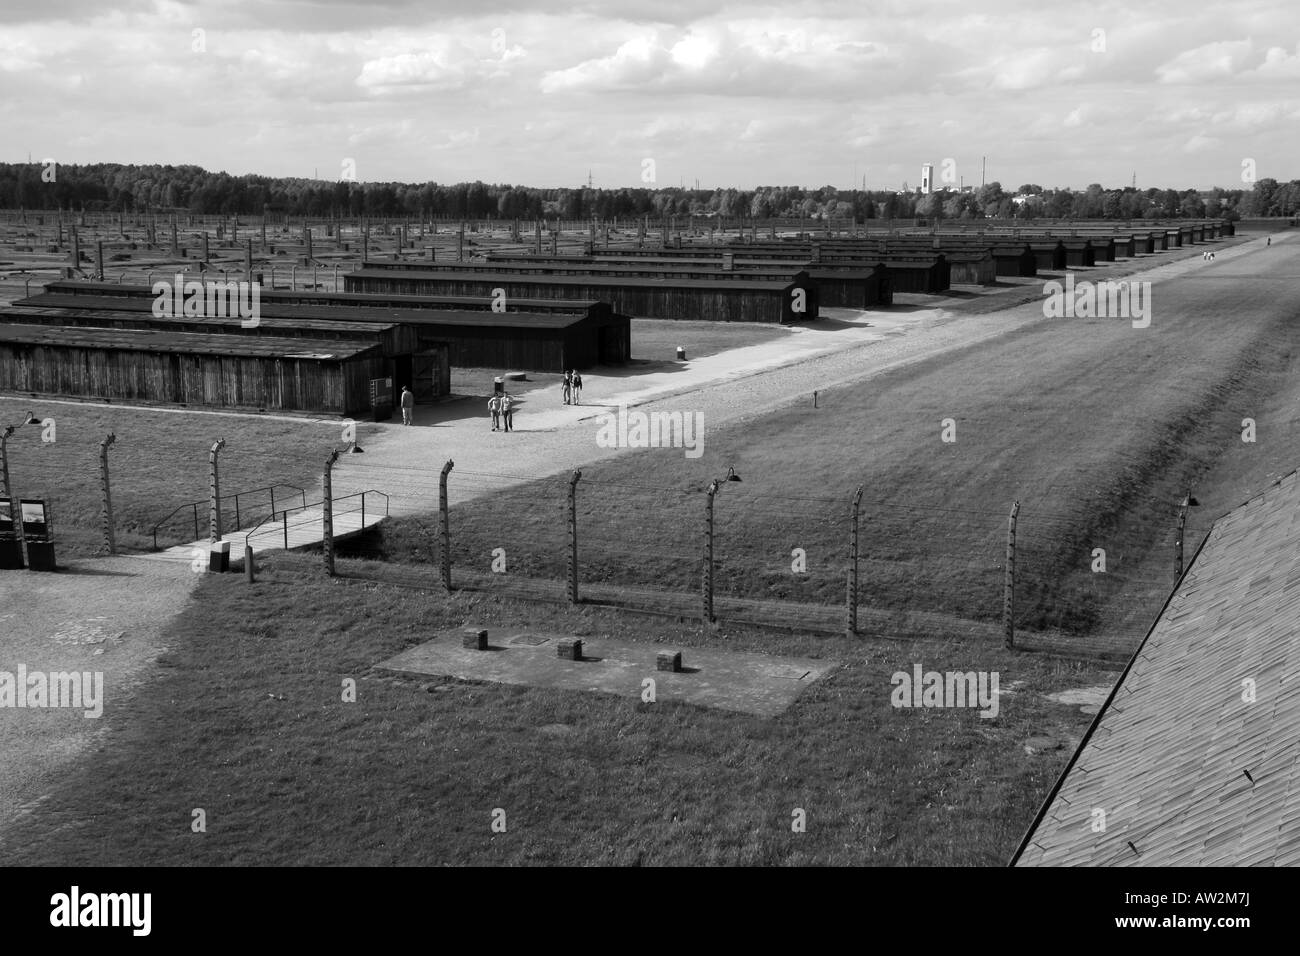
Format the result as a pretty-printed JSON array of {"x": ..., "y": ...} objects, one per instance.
[{"x": 1209, "y": 63}]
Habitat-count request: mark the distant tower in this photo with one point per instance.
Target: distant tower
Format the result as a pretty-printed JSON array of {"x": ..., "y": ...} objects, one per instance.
[{"x": 927, "y": 178}]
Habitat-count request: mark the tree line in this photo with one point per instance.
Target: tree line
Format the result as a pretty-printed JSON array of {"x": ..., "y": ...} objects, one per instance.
[{"x": 137, "y": 189}]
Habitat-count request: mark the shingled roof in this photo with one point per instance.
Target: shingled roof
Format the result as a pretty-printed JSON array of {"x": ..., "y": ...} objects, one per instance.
[{"x": 1187, "y": 771}]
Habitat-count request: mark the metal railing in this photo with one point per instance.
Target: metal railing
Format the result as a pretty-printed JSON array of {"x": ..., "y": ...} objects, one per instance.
[
  {"x": 283, "y": 516},
  {"x": 193, "y": 507}
]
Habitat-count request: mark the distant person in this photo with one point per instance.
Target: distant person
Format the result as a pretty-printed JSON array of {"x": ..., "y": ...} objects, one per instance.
[
  {"x": 567, "y": 390},
  {"x": 494, "y": 408},
  {"x": 1270, "y": 240},
  {"x": 577, "y": 387},
  {"x": 508, "y": 412},
  {"x": 408, "y": 404}
]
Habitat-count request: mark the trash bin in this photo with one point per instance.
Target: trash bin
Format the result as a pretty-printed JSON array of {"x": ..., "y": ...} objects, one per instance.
[
  {"x": 40, "y": 556},
  {"x": 11, "y": 549},
  {"x": 11, "y": 554},
  {"x": 681, "y": 354},
  {"x": 498, "y": 386}
]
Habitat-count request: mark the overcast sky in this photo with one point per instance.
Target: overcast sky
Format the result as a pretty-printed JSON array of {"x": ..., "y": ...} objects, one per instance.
[{"x": 734, "y": 95}]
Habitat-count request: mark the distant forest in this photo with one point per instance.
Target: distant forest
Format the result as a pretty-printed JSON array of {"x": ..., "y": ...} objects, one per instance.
[{"x": 190, "y": 189}]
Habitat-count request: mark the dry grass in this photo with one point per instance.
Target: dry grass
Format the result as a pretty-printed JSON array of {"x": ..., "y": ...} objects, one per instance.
[{"x": 159, "y": 461}]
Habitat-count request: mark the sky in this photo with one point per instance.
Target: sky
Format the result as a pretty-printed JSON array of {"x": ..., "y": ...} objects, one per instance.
[{"x": 662, "y": 92}]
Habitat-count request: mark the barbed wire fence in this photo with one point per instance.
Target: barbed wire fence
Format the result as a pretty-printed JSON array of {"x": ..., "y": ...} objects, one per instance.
[
  {"x": 1081, "y": 584},
  {"x": 787, "y": 557}
]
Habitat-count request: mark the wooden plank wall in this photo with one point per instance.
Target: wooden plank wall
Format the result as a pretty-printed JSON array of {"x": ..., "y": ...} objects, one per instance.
[
  {"x": 727, "y": 305},
  {"x": 220, "y": 381}
]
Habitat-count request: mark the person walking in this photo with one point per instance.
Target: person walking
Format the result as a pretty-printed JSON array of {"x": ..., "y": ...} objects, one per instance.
[
  {"x": 408, "y": 404},
  {"x": 508, "y": 412},
  {"x": 494, "y": 408},
  {"x": 577, "y": 387},
  {"x": 568, "y": 387}
]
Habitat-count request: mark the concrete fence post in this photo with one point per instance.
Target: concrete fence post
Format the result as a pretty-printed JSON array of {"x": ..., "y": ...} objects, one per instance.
[
  {"x": 708, "y": 551},
  {"x": 327, "y": 511},
  {"x": 851, "y": 599},
  {"x": 444, "y": 528},
  {"x": 573, "y": 536},
  {"x": 110, "y": 539},
  {"x": 1009, "y": 589},
  {"x": 1178, "y": 539},
  {"x": 214, "y": 492}
]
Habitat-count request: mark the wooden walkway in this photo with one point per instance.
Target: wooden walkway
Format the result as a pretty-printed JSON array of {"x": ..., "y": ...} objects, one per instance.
[{"x": 306, "y": 527}]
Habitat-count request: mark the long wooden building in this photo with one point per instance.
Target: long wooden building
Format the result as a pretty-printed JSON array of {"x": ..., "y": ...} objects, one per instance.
[
  {"x": 190, "y": 368},
  {"x": 724, "y": 299},
  {"x": 555, "y": 336}
]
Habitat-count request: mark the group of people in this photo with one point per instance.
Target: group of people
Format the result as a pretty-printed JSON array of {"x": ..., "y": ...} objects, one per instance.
[
  {"x": 1207, "y": 256},
  {"x": 501, "y": 406},
  {"x": 572, "y": 387},
  {"x": 502, "y": 409}
]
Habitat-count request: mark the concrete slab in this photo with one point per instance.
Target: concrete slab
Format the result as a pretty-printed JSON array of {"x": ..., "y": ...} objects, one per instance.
[{"x": 728, "y": 680}]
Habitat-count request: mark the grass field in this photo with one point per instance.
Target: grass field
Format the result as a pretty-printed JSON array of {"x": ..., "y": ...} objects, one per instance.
[
  {"x": 251, "y": 728},
  {"x": 1096, "y": 433},
  {"x": 158, "y": 462}
]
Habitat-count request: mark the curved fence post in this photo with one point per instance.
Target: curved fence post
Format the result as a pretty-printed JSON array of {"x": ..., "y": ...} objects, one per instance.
[
  {"x": 110, "y": 538},
  {"x": 708, "y": 551},
  {"x": 1009, "y": 590},
  {"x": 214, "y": 493},
  {"x": 327, "y": 509},
  {"x": 851, "y": 598},
  {"x": 444, "y": 530},
  {"x": 573, "y": 536}
]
